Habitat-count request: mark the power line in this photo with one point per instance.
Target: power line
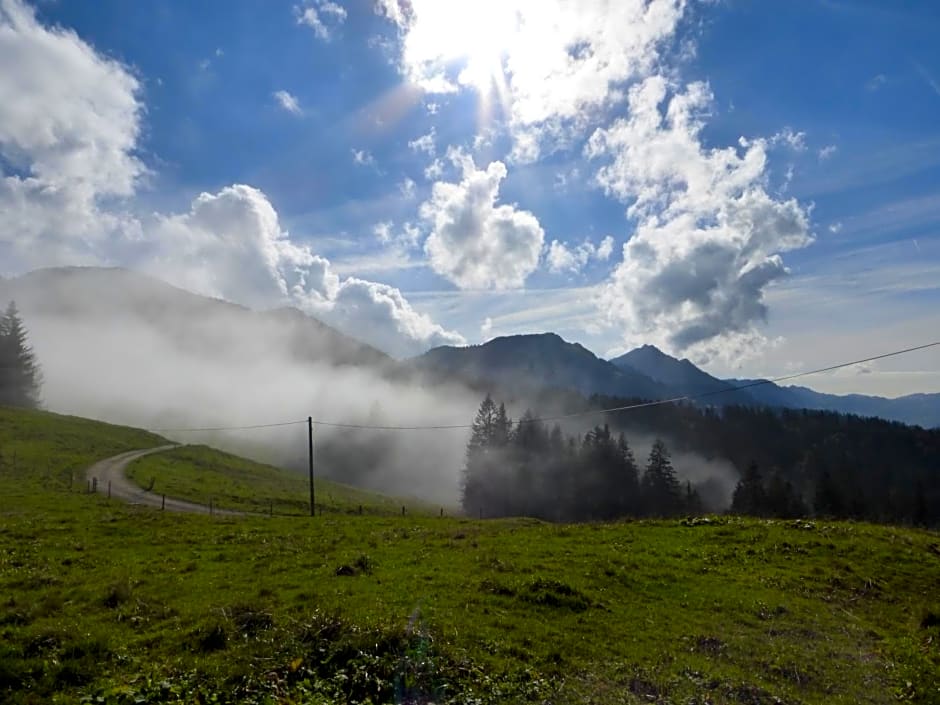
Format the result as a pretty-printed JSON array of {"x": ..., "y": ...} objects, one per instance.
[
  {"x": 588, "y": 412},
  {"x": 229, "y": 428}
]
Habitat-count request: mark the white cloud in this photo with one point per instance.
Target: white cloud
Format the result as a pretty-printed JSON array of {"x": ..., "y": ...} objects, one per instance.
[
  {"x": 380, "y": 314},
  {"x": 69, "y": 124},
  {"x": 827, "y": 152},
  {"x": 486, "y": 327},
  {"x": 288, "y": 101},
  {"x": 425, "y": 143},
  {"x": 383, "y": 231},
  {"x": 835, "y": 228},
  {"x": 562, "y": 257},
  {"x": 231, "y": 245},
  {"x": 794, "y": 140},
  {"x": 552, "y": 63},
  {"x": 68, "y": 117},
  {"x": 407, "y": 188},
  {"x": 363, "y": 157},
  {"x": 708, "y": 236},
  {"x": 320, "y": 15},
  {"x": 434, "y": 170},
  {"x": 474, "y": 242}
]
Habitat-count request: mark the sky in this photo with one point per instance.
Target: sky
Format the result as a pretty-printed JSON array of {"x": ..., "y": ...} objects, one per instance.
[{"x": 754, "y": 187}]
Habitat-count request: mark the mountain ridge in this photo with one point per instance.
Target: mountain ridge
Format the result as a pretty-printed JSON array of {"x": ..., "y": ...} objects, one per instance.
[{"x": 521, "y": 364}]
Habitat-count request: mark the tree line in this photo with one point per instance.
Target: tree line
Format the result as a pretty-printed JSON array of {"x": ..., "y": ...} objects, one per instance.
[
  {"x": 791, "y": 463},
  {"x": 527, "y": 469},
  {"x": 20, "y": 375}
]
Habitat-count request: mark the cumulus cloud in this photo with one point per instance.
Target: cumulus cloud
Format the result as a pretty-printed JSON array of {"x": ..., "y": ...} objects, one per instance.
[
  {"x": 552, "y": 63},
  {"x": 475, "y": 243},
  {"x": 708, "y": 236},
  {"x": 562, "y": 257},
  {"x": 288, "y": 102},
  {"x": 231, "y": 245},
  {"x": 827, "y": 151},
  {"x": 69, "y": 124},
  {"x": 605, "y": 249},
  {"x": 320, "y": 16}
]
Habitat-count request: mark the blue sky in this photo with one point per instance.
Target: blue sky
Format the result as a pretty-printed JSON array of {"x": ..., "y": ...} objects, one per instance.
[{"x": 754, "y": 187}]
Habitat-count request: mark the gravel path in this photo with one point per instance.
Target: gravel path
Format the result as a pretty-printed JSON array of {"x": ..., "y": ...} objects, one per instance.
[{"x": 112, "y": 470}]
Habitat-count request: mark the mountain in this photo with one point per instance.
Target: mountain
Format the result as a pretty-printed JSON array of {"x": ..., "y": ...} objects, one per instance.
[
  {"x": 681, "y": 376},
  {"x": 527, "y": 363},
  {"x": 914, "y": 409},
  {"x": 96, "y": 296},
  {"x": 684, "y": 378}
]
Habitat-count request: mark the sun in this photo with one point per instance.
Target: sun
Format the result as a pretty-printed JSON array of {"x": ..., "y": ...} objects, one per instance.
[{"x": 467, "y": 38}]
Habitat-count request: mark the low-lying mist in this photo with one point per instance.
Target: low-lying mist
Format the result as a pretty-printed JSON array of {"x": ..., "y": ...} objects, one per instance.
[{"x": 162, "y": 359}]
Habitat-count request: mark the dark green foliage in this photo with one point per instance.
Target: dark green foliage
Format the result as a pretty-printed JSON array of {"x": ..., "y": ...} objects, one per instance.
[
  {"x": 749, "y": 496},
  {"x": 660, "y": 486},
  {"x": 524, "y": 469},
  {"x": 20, "y": 376}
]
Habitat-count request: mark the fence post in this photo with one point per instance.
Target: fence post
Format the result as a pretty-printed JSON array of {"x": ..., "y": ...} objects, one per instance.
[
  {"x": 442, "y": 512},
  {"x": 94, "y": 484},
  {"x": 360, "y": 510},
  {"x": 210, "y": 507},
  {"x": 109, "y": 489},
  {"x": 403, "y": 510}
]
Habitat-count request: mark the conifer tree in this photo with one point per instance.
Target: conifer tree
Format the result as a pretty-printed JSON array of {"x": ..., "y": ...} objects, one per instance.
[
  {"x": 20, "y": 375},
  {"x": 660, "y": 485},
  {"x": 749, "y": 496},
  {"x": 482, "y": 435}
]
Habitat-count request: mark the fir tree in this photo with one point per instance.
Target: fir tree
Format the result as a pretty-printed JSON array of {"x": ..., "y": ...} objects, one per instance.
[
  {"x": 20, "y": 376},
  {"x": 749, "y": 496},
  {"x": 660, "y": 485}
]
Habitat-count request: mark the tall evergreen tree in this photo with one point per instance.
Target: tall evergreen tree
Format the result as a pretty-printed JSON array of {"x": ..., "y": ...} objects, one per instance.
[
  {"x": 20, "y": 375},
  {"x": 482, "y": 435},
  {"x": 749, "y": 495},
  {"x": 660, "y": 486}
]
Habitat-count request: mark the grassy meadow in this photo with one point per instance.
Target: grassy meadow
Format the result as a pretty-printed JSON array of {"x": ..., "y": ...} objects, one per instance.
[
  {"x": 200, "y": 474},
  {"x": 101, "y": 602}
]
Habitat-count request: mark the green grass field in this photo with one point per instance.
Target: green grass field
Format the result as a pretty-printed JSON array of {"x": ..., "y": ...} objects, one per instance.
[
  {"x": 106, "y": 603},
  {"x": 200, "y": 474}
]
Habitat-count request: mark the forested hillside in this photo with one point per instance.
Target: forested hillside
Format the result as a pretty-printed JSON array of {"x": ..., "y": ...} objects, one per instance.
[{"x": 789, "y": 463}]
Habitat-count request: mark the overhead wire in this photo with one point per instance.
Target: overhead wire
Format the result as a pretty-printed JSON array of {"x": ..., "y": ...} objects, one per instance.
[{"x": 577, "y": 414}]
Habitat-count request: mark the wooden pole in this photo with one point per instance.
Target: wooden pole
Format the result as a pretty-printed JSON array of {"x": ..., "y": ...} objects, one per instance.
[
  {"x": 109, "y": 489},
  {"x": 163, "y": 503},
  {"x": 313, "y": 511}
]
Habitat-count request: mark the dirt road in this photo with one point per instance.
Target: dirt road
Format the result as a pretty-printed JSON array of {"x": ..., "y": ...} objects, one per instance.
[{"x": 112, "y": 470}]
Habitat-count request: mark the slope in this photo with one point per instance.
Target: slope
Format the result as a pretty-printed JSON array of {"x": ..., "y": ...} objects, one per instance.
[
  {"x": 202, "y": 474},
  {"x": 108, "y": 603},
  {"x": 681, "y": 376},
  {"x": 94, "y": 295}
]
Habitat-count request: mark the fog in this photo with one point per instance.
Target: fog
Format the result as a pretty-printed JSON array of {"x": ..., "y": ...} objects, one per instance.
[
  {"x": 715, "y": 479},
  {"x": 159, "y": 359},
  {"x": 126, "y": 349}
]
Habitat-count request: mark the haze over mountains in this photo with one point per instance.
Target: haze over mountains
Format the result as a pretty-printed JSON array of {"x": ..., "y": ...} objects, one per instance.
[{"x": 137, "y": 318}]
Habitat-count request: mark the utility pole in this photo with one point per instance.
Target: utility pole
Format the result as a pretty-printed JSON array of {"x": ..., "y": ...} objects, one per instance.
[{"x": 313, "y": 506}]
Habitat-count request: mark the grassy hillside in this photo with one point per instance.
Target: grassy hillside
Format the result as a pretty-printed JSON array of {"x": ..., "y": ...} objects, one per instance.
[
  {"x": 199, "y": 473},
  {"x": 102, "y": 602}
]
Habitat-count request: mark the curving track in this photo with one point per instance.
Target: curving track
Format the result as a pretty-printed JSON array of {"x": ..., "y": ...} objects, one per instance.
[{"x": 112, "y": 470}]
